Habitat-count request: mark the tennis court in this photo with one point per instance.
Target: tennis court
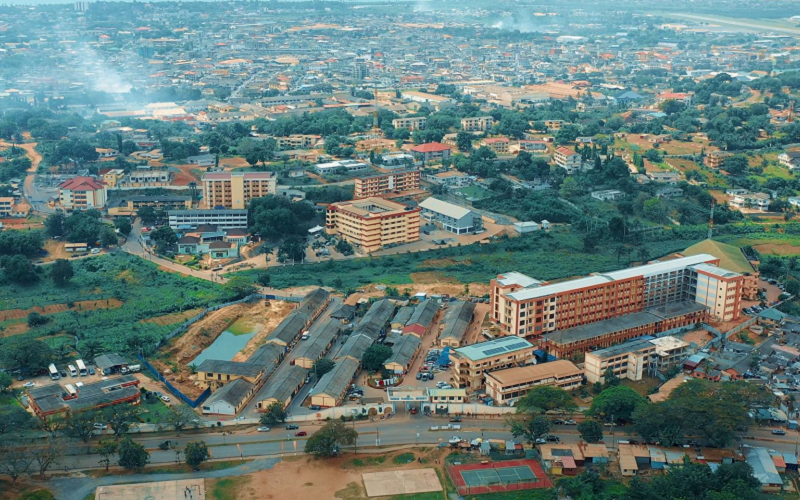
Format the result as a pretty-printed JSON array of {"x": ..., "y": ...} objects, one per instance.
[
  {"x": 487, "y": 477},
  {"x": 490, "y": 477}
]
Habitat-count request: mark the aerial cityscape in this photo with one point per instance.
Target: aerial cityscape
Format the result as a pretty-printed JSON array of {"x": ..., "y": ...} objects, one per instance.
[{"x": 400, "y": 250}]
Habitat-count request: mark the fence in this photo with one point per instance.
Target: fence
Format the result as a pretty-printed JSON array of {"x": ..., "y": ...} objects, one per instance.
[
  {"x": 194, "y": 403},
  {"x": 482, "y": 478}
]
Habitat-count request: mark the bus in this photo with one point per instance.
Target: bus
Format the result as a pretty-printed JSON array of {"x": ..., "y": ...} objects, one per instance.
[
  {"x": 82, "y": 368},
  {"x": 53, "y": 372}
]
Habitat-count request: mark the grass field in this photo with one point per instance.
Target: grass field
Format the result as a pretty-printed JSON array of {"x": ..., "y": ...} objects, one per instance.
[
  {"x": 227, "y": 488},
  {"x": 543, "y": 255},
  {"x": 474, "y": 192},
  {"x": 110, "y": 299}
]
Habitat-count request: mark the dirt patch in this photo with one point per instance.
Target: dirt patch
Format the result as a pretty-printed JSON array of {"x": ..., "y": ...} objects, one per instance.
[
  {"x": 83, "y": 305},
  {"x": 432, "y": 278},
  {"x": 184, "y": 175},
  {"x": 171, "y": 319},
  {"x": 330, "y": 479},
  {"x": 231, "y": 163},
  {"x": 777, "y": 249},
  {"x": 182, "y": 350},
  {"x": 305, "y": 478},
  {"x": 55, "y": 250}
]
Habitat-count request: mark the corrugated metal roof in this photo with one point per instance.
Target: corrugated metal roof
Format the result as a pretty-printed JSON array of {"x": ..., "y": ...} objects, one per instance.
[
  {"x": 423, "y": 314},
  {"x": 355, "y": 347},
  {"x": 319, "y": 339},
  {"x": 376, "y": 318},
  {"x": 335, "y": 382},
  {"x": 456, "y": 320},
  {"x": 283, "y": 383},
  {"x": 491, "y": 348},
  {"x": 289, "y": 329},
  {"x": 233, "y": 393},
  {"x": 404, "y": 350},
  {"x": 445, "y": 208}
]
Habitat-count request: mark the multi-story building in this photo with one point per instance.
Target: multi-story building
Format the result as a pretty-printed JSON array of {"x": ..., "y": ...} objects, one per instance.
[
  {"x": 681, "y": 97},
  {"x": 477, "y": 123},
  {"x": 715, "y": 159},
  {"x": 470, "y": 363},
  {"x": 757, "y": 201},
  {"x": 497, "y": 144},
  {"x": 113, "y": 177},
  {"x": 453, "y": 218},
  {"x": 380, "y": 184},
  {"x": 411, "y": 123},
  {"x": 509, "y": 385},
  {"x": 297, "y": 141},
  {"x": 525, "y": 307},
  {"x": 431, "y": 151},
  {"x": 373, "y": 223},
  {"x": 147, "y": 178},
  {"x": 568, "y": 159},
  {"x": 790, "y": 159},
  {"x": 635, "y": 359},
  {"x": 6, "y": 205},
  {"x": 733, "y": 259},
  {"x": 236, "y": 189},
  {"x": 223, "y": 219},
  {"x": 130, "y": 205},
  {"x": 82, "y": 193}
]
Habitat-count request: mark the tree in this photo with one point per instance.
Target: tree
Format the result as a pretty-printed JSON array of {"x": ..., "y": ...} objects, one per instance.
[
  {"x": 54, "y": 224},
  {"x": 47, "y": 455},
  {"x": 164, "y": 238},
  {"x": 123, "y": 225},
  {"x": 464, "y": 141},
  {"x": 274, "y": 414},
  {"x": 109, "y": 238},
  {"x": 61, "y": 272},
  {"x": 323, "y": 366},
  {"x": 26, "y": 354},
  {"x": 15, "y": 420},
  {"x": 15, "y": 460},
  {"x": 196, "y": 452},
  {"x": 120, "y": 417},
  {"x": 736, "y": 165},
  {"x": 20, "y": 270},
  {"x": 240, "y": 287},
  {"x": 180, "y": 417},
  {"x": 375, "y": 356},
  {"x": 546, "y": 398},
  {"x": 132, "y": 455},
  {"x": 656, "y": 210},
  {"x": 35, "y": 319},
  {"x": 344, "y": 247},
  {"x": 80, "y": 425},
  {"x": 5, "y": 381},
  {"x": 106, "y": 449},
  {"x": 569, "y": 188},
  {"x": 617, "y": 403},
  {"x": 531, "y": 429},
  {"x": 263, "y": 278},
  {"x": 147, "y": 215},
  {"x": 294, "y": 248},
  {"x": 591, "y": 431},
  {"x": 327, "y": 441}
]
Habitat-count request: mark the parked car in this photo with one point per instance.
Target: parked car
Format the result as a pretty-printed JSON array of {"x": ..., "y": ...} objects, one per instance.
[
  {"x": 300, "y": 433},
  {"x": 554, "y": 439},
  {"x": 291, "y": 427},
  {"x": 63, "y": 373},
  {"x": 239, "y": 418},
  {"x": 779, "y": 432},
  {"x": 315, "y": 408},
  {"x": 541, "y": 440},
  {"x": 92, "y": 371},
  {"x": 558, "y": 421},
  {"x": 30, "y": 384},
  {"x": 419, "y": 376},
  {"x": 570, "y": 422},
  {"x": 100, "y": 427},
  {"x": 263, "y": 429},
  {"x": 165, "y": 398}
]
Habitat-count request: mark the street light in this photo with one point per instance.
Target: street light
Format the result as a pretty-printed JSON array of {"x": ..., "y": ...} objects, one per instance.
[{"x": 378, "y": 438}]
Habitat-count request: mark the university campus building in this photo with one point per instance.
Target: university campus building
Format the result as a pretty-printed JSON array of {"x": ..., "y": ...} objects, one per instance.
[
  {"x": 236, "y": 189},
  {"x": 373, "y": 223}
]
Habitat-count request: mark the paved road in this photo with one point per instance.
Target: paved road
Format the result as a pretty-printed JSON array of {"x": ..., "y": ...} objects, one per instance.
[
  {"x": 36, "y": 196},
  {"x": 748, "y": 25}
]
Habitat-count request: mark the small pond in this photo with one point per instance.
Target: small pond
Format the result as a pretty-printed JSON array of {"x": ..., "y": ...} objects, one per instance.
[{"x": 229, "y": 342}]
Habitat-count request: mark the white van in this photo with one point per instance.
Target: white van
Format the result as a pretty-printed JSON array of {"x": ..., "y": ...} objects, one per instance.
[
  {"x": 72, "y": 371},
  {"x": 304, "y": 336}
]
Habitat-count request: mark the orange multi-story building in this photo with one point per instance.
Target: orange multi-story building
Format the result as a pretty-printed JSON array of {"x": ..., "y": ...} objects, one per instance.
[
  {"x": 236, "y": 189},
  {"x": 373, "y": 223},
  {"x": 380, "y": 184},
  {"x": 525, "y": 307}
]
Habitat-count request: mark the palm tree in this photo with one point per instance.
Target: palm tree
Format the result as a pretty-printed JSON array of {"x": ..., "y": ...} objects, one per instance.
[{"x": 619, "y": 251}]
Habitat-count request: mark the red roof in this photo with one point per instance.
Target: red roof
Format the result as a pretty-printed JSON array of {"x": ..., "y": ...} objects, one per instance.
[
  {"x": 566, "y": 151},
  {"x": 81, "y": 184},
  {"x": 431, "y": 147}
]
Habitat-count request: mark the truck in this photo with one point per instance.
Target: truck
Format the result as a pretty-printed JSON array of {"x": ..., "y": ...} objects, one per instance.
[
  {"x": 53, "y": 372},
  {"x": 135, "y": 368},
  {"x": 82, "y": 368}
]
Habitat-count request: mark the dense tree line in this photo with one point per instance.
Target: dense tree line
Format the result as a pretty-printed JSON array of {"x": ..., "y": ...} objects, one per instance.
[{"x": 276, "y": 217}]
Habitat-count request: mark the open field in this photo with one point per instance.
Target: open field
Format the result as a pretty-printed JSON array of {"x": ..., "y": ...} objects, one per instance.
[
  {"x": 634, "y": 142},
  {"x": 107, "y": 300}
]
